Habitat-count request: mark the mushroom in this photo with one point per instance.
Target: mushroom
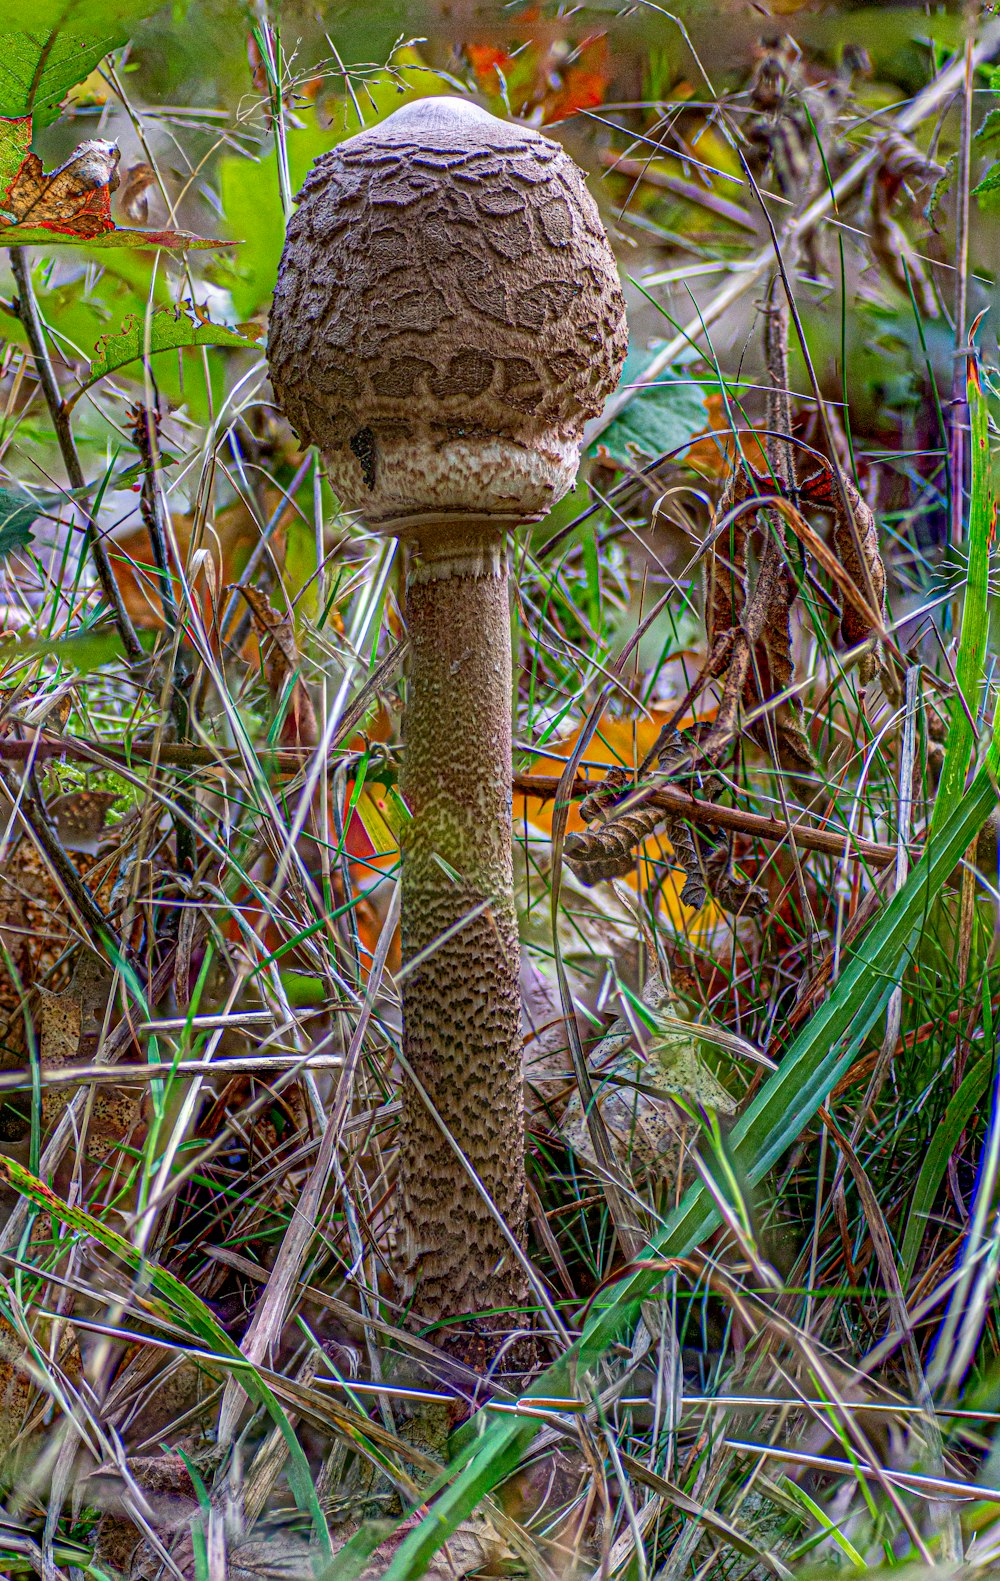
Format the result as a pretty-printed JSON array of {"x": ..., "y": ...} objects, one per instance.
[{"x": 447, "y": 316}]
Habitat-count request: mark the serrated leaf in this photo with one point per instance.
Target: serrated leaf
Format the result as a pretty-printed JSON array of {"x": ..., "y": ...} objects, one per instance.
[
  {"x": 60, "y": 45},
  {"x": 990, "y": 129},
  {"x": 17, "y": 516},
  {"x": 160, "y": 331},
  {"x": 990, "y": 182}
]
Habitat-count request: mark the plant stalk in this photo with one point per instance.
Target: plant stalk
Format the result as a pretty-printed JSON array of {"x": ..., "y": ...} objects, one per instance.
[
  {"x": 461, "y": 999},
  {"x": 27, "y": 312}
]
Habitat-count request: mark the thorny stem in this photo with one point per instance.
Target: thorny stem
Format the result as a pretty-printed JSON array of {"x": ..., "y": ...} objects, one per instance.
[{"x": 27, "y": 311}]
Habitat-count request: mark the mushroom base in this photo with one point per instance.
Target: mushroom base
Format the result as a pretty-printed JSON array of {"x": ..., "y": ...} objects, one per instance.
[{"x": 461, "y": 1002}]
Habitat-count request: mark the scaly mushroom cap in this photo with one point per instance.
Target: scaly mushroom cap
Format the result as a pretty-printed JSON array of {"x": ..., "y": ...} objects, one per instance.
[{"x": 447, "y": 315}]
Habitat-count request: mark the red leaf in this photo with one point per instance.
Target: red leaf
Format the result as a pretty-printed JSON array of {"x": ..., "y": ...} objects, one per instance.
[{"x": 584, "y": 83}]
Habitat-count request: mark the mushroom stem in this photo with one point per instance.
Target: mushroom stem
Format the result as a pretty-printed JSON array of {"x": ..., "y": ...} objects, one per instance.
[{"x": 461, "y": 1002}]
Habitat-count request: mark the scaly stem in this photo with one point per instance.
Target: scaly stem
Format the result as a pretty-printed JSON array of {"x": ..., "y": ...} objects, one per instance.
[
  {"x": 27, "y": 312},
  {"x": 461, "y": 1001}
]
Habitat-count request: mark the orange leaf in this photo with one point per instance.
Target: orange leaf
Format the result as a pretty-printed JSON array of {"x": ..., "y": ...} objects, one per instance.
[
  {"x": 714, "y": 457},
  {"x": 74, "y": 199},
  {"x": 584, "y": 83},
  {"x": 487, "y": 61}
]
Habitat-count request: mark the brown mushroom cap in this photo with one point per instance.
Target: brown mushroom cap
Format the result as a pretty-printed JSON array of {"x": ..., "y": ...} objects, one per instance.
[{"x": 447, "y": 316}]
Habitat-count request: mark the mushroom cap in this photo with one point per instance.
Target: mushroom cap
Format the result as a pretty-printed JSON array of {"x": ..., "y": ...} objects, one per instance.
[{"x": 447, "y": 316}]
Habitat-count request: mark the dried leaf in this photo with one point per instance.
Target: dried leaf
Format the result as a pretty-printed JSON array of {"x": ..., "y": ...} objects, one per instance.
[
  {"x": 71, "y": 203},
  {"x": 134, "y": 198},
  {"x": 280, "y": 658},
  {"x": 649, "y": 1134},
  {"x": 75, "y": 198},
  {"x": 584, "y": 82},
  {"x": 855, "y": 542}
]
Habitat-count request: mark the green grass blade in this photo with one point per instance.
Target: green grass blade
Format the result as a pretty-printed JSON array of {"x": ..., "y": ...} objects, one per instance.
[
  {"x": 975, "y": 616},
  {"x": 956, "y": 1117},
  {"x": 786, "y": 1103},
  {"x": 177, "y": 1298}
]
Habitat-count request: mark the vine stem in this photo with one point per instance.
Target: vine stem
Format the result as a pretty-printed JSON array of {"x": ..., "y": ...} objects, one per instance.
[{"x": 27, "y": 312}]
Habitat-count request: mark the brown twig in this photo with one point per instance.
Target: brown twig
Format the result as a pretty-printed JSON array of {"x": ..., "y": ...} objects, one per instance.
[
  {"x": 27, "y": 312},
  {"x": 690, "y": 191},
  {"x": 712, "y": 815}
]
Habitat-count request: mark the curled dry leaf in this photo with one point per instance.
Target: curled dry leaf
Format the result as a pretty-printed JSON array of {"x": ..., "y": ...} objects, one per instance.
[
  {"x": 134, "y": 198},
  {"x": 71, "y": 202},
  {"x": 855, "y": 542},
  {"x": 75, "y": 198},
  {"x": 281, "y": 661},
  {"x": 900, "y": 161},
  {"x": 609, "y": 849}
]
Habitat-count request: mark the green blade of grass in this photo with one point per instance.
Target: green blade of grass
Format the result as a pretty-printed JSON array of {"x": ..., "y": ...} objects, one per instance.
[
  {"x": 956, "y": 1117},
  {"x": 975, "y": 617},
  {"x": 177, "y": 1298},
  {"x": 782, "y": 1109}
]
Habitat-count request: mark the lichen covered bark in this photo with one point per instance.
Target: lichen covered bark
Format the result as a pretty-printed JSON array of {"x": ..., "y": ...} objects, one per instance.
[{"x": 461, "y": 1006}]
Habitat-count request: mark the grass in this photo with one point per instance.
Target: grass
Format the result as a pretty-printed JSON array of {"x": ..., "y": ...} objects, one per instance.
[{"x": 766, "y": 1345}]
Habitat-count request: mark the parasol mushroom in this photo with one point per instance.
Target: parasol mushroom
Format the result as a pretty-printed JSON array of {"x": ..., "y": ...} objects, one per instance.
[{"x": 447, "y": 316}]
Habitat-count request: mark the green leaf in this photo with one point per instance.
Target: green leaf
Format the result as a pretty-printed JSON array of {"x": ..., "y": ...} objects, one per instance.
[
  {"x": 82, "y": 650},
  {"x": 178, "y": 1299},
  {"x": 989, "y": 184},
  {"x": 990, "y": 129},
  {"x": 163, "y": 330},
  {"x": 975, "y": 614},
  {"x": 47, "y": 46},
  {"x": 121, "y": 236},
  {"x": 17, "y": 515},
  {"x": 15, "y": 144},
  {"x": 664, "y": 417},
  {"x": 251, "y": 203},
  {"x": 783, "y": 1107},
  {"x": 956, "y": 1117}
]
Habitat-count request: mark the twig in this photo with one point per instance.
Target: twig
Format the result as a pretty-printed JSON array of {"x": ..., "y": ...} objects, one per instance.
[
  {"x": 81, "y": 899},
  {"x": 544, "y": 787},
  {"x": 27, "y": 312},
  {"x": 690, "y": 191}
]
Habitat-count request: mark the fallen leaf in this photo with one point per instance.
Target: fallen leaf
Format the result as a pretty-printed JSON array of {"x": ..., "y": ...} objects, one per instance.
[
  {"x": 71, "y": 203},
  {"x": 134, "y": 198},
  {"x": 584, "y": 82},
  {"x": 75, "y": 198},
  {"x": 282, "y": 664}
]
